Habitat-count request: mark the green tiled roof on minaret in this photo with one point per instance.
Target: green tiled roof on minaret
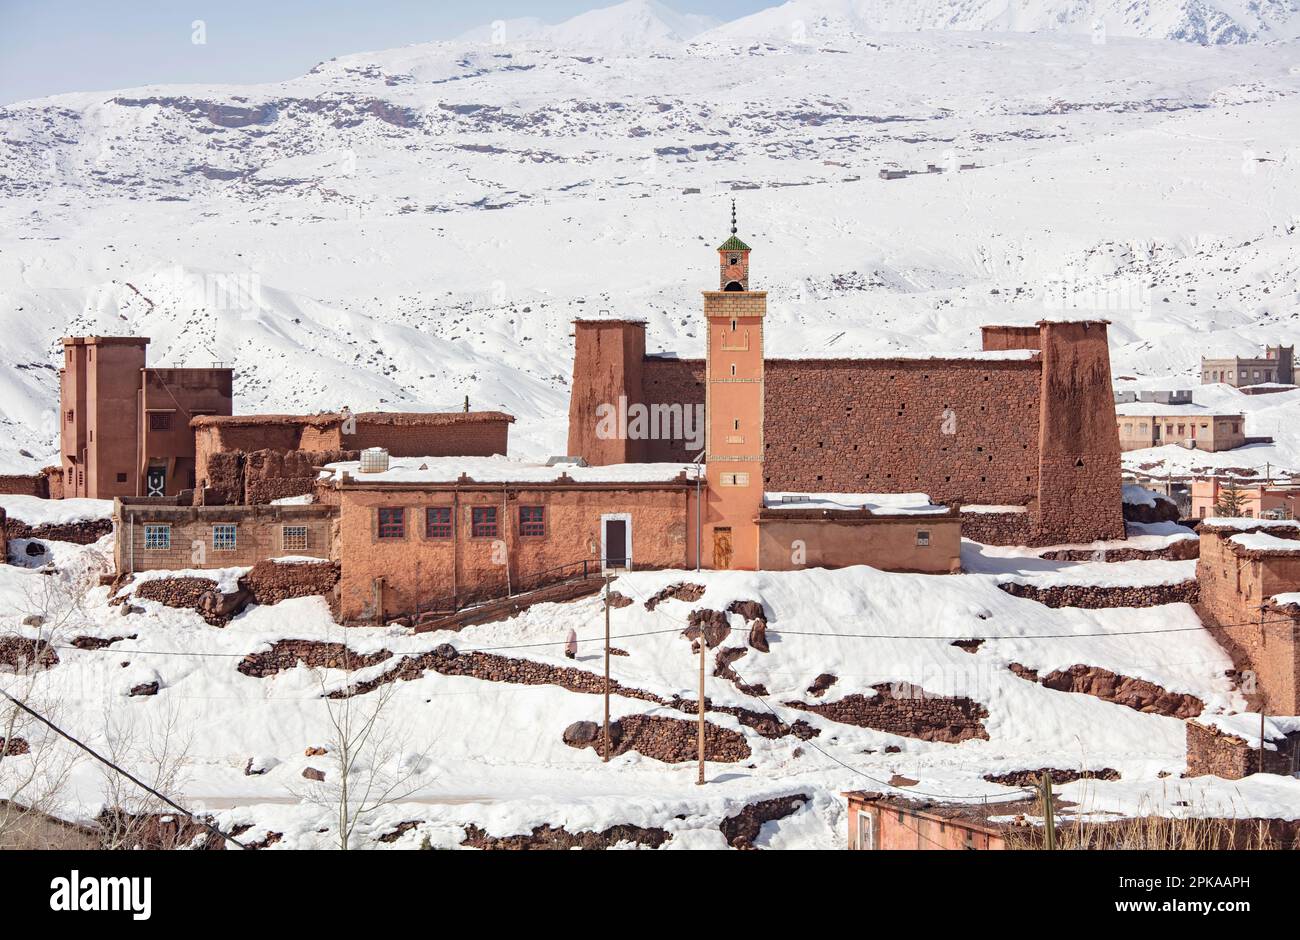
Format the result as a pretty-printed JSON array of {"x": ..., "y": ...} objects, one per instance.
[{"x": 733, "y": 243}]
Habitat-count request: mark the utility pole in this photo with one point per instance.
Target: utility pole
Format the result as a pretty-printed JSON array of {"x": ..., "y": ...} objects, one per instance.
[
  {"x": 1049, "y": 812},
  {"x": 606, "y": 733},
  {"x": 700, "y": 780}
]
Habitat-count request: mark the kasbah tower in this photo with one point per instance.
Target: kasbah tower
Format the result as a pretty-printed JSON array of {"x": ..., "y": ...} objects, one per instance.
[{"x": 734, "y": 409}]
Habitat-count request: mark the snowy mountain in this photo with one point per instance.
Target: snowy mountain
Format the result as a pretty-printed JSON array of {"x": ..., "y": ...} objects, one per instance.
[
  {"x": 633, "y": 25},
  {"x": 402, "y": 228},
  {"x": 1205, "y": 22}
]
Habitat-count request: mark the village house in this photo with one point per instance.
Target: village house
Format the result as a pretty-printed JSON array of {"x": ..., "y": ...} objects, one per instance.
[
  {"x": 877, "y": 822},
  {"x": 1248, "y": 574},
  {"x": 1254, "y": 500},
  {"x": 1277, "y": 367},
  {"x": 125, "y": 427},
  {"x": 1154, "y": 424}
]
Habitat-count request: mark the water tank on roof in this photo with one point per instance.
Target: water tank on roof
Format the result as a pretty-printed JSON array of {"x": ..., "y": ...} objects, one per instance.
[{"x": 374, "y": 460}]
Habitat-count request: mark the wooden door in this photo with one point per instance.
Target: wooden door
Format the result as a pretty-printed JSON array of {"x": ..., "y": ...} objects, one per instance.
[{"x": 722, "y": 548}]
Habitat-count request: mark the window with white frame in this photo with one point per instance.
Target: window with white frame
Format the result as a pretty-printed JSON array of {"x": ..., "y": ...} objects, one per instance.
[
  {"x": 923, "y": 537},
  {"x": 157, "y": 538},
  {"x": 224, "y": 537}
]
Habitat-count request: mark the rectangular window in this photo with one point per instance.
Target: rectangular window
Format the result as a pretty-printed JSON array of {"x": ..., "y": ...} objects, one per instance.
[
  {"x": 223, "y": 537},
  {"x": 294, "y": 538},
  {"x": 735, "y": 479},
  {"x": 437, "y": 522},
  {"x": 392, "y": 523},
  {"x": 121, "y": 478},
  {"x": 160, "y": 421},
  {"x": 532, "y": 521},
  {"x": 157, "y": 538},
  {"x": 922, "y": 537},
  {"x": 483, "y": 522}
]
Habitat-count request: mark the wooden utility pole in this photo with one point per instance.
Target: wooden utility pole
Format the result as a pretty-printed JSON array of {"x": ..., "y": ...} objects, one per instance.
[
  {"x": 606, "y": 734},
  {"x": 1049, "y": 812},
  {"x": 700, "y": 780}
]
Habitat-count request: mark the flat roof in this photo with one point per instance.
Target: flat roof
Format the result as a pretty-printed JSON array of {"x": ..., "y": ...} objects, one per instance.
[
  {"x": 325, "y": 419},
  {"x": 434, "y": 471},
  {"x": 877, "y": 504}
]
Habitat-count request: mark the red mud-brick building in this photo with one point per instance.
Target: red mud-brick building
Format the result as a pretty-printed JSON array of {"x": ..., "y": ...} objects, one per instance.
[
  {"x": 256, "y": 459},
  {"x": 881, "y": 823},
  {"x": 1027, "y": 423},
  {"x": 433, "y": 535},
  {"x": 1249, "y": 575},
  {"x": 125, "y": 427}
]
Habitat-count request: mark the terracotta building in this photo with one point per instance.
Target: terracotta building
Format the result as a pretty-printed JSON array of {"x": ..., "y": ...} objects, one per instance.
[
  {"x": 1027, "y": 423},
  {"x": 125, "y": 427},
  {"x": 256, "y": 459},
  {"x": 881, "y": 823},
  {"x": 1150, "y": 424},
  {"x": 1249, "y": 578},
  {"x": 1277, "y": 367},
  {"x": 1257, "y": 500},
  {"x": 433, "y": 535}
]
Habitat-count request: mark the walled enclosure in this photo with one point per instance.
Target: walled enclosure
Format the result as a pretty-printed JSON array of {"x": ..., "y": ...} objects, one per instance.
[
  {"x": 259, "y": 534},
  {"x": 1236, "y": 588},
  {"x": 1038, "y": 431},
  {"x": 423, "y": 573}
]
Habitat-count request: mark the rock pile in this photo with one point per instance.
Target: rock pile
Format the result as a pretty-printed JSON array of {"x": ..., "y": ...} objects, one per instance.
[
  {"x": 1137, "y": 694},
  {"x": 548, "y": 837},
  {"x": 690, "y": 593},
  {"x": 19, "y": 654},
  {"x": 742, "y": 829},
  {"x": 287, "y": 654},
  {"x": 908, "y": 711},
  {"x": 1095, "y": 597},
  {"x": 671, "y": 740}
]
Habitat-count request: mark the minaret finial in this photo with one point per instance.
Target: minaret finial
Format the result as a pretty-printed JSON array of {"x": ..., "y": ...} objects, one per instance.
[{"x": 733, "y": 216}]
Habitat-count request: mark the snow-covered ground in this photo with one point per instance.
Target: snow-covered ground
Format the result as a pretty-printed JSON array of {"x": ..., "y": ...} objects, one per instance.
[{"x": 491, "y": 754}]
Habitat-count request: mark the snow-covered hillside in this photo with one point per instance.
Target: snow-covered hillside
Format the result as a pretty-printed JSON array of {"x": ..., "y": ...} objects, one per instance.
[
  {"x": 489, "y": 753},
  {"x": 404, "y": 228},
  {"x": 1206, "y": 22}
]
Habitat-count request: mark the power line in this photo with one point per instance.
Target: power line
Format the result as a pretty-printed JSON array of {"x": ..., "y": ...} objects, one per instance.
[{"x": 104, "y": 760}]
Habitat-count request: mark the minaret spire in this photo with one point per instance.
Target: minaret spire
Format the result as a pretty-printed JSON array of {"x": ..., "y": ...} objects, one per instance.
[{"x": 733, "y": 217}]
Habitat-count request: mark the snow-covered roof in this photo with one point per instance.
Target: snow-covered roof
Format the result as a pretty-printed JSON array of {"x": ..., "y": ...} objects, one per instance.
[
  {"x": 38, "y": 512},
  {"x": 880, "y": 504},
  {"x": 1245, "y": 725},
  {"x": 1110, "y": 574},
  {"x": 1263, "y": 542},
  {"x": 435, "y": 470},
  {"x": 1135, "y": 495},
  {"x": 1244, "y": 523},
  {"x": 918, "y": 355},
  {"x": 1139, "y": 409}
]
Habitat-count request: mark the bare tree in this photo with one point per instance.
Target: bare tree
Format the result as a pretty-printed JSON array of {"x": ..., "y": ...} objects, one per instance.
[
  {"x": 369, "y": 762},
  {"x": 34, "y": 763},
  {"x": 155, "y": 748}
]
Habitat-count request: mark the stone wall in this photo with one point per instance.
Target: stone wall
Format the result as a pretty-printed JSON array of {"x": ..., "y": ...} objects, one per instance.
[
  {"x": 1096, "y": 597},
  {"x": 998, "y": 528},
  {"x": 908, "y": 711},
  {"x": 880, "y": 426},
  {"x": 1212, "y": 752}
]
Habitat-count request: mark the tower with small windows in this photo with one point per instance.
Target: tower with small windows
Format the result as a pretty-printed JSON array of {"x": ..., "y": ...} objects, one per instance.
[{"x": 734, "y": 410}]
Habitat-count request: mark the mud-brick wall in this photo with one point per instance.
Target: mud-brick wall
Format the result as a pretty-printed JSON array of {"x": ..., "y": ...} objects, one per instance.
[
  {"x": 1234, "y": 593},
  {"x": 25, "y": 484},
  {"x": 675, "y": 383},
  {"x": 481, "y": 437},
  {"x": 441, "y": 573},
  {"x": 259, "y": 535},
  {"x": 608, "y": 363},
  {"x": 959, "y": 431}
]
